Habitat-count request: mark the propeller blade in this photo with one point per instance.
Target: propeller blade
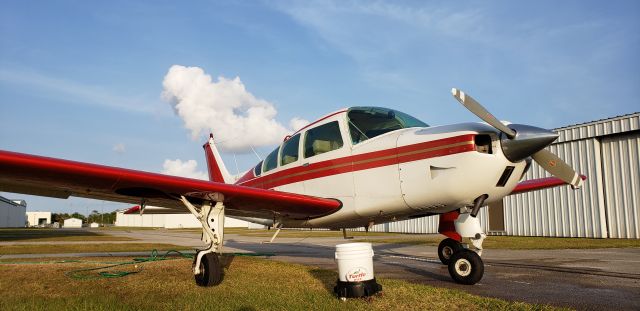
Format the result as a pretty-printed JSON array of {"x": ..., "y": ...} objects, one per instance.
[
  {"x": 481, "y": 112},
  {"x": 558, "y": 168}
]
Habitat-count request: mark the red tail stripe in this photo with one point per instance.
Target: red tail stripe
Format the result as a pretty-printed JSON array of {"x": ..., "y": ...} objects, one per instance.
[{"x": 214, "y": 170}]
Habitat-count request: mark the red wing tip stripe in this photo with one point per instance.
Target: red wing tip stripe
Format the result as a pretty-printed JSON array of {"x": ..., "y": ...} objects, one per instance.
[
  {"x": 132, "y": 210},
  {"x": 542, "y": 183}
]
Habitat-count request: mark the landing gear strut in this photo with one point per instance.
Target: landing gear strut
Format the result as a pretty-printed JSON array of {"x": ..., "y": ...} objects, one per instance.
[
  {"x": 463, "y": 262},
  {"x": 207, "y": 269}
]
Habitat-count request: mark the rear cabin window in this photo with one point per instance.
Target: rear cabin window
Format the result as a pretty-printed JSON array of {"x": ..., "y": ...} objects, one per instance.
[
  {"x": 271, "y": 161},
  {"x": 289, "y": 152},
  {"x": 321, "y": 139},
  {"x": 369, "y": 122},
  {"x": 258, "y": 169}
]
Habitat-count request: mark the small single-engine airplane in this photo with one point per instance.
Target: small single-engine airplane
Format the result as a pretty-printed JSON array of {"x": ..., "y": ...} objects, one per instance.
[{"x": 352, "y": 168}]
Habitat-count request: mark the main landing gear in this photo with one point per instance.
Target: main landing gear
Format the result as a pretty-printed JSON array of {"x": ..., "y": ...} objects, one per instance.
[
  {"x": 207, "y": 269},
  {"x": 464, "y": 263}
]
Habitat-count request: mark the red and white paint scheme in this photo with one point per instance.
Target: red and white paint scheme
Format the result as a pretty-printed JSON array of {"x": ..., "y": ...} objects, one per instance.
[{"x": 352, "y": 168}]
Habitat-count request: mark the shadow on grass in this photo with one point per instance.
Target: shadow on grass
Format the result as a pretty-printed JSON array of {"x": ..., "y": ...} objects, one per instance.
[
  {"x": 35, "y": 234},
  {"x": 226, "y": 260},
  {"x": 328, "y": 278}
]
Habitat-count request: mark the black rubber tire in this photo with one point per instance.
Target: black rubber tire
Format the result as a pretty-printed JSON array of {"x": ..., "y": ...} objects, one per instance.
[
  {"x": 466, "y": 267},
  {"x": 447, "y": 248},
  {"x": 211, "y": 271}
]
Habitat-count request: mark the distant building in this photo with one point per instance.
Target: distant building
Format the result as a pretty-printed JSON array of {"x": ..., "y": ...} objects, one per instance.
[
  {"x": 38, "y": 219},
  {"x": 168, "y": 221},
  {"x": 94, "y": 225},
  {"x": 12, "y": 213},
  {"x": 72, "y": 223}
]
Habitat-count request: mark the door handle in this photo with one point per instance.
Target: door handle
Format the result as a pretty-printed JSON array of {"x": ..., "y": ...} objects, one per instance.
[{"x": 305, "y": 165}]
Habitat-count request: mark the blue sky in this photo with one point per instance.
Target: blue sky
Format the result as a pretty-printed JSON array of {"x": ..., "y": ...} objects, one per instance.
[{"x": 83, "y": 80}]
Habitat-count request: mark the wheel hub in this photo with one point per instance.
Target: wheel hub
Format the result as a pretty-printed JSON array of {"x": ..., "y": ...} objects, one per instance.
[
  {"x": 463, "y": 267},
  {"x": 447, "y": 252}
]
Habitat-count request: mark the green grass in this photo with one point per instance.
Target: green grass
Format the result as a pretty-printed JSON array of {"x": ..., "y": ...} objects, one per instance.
[
  {"x": 84, "y": 248},
  {"x": 45, "y": 234},
  {"x": 249, "y": 284}
]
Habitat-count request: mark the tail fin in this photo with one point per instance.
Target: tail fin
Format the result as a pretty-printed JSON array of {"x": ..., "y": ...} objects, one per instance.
[{"x": 217, "y": 171}]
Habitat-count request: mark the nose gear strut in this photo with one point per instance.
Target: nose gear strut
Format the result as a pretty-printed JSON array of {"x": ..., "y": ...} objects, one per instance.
[{"x": 464, "y": 263}]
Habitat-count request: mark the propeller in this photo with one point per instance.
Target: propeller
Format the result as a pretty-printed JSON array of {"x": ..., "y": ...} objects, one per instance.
[{"x": 524, "y": 141}]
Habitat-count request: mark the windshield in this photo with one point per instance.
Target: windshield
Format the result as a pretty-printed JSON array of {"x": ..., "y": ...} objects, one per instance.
[{"x": 369, "y": 122}]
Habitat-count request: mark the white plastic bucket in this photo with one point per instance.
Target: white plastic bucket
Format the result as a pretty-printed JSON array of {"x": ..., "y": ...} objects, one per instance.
[{"x": 355, "y": 262}]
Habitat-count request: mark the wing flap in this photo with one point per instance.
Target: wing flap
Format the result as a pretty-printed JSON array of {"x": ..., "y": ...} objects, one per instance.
[{"x": 31, "y": 174}]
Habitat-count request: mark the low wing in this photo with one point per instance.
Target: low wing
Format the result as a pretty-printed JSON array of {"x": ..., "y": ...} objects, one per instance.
[
  {"x": 44, "y": 176},
  {"x": 537, "y": 184}
]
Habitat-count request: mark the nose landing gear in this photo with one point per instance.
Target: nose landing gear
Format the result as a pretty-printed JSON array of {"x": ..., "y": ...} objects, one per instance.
[{"x": 464, "y": 263}]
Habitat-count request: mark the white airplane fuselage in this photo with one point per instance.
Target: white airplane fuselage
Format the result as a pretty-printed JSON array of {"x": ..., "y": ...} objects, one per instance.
[{"x": 397, "y": 175}]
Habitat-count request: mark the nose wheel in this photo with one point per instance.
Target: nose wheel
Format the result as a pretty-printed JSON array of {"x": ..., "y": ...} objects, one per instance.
[
  {"x": 447, "y": 248},
  {"x": 466, "y": 267}
]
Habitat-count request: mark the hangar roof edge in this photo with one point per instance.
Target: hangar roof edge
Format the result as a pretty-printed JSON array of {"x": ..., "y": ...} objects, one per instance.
[{"x": 614, "y": 125}]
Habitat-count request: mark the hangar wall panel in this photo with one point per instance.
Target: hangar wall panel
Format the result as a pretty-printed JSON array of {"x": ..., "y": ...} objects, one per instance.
[
  {"x": 621, "y": 169},
  {"x": 561, "y": 211},
  {"x": 621, "y": 124},
  {"x": 12, "y": 214},
  {"x": 181, "y": 221},
  {"x": 167, "y": 221}
]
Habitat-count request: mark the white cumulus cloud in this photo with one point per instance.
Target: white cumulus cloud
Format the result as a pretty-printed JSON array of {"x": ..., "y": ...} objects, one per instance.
[
  {"x": 237, "y": 118},
  {"x": 119, "y": 148},
  {"x": 297, "y": 123},
  {"x": 183, "y": 169}
]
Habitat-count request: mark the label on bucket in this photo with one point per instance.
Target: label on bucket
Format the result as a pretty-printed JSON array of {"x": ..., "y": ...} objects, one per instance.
[{"x": 357, "y": 274}]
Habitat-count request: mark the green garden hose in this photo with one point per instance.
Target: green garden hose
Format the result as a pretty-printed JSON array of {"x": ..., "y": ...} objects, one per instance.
[{"x": 97, "y": 273}]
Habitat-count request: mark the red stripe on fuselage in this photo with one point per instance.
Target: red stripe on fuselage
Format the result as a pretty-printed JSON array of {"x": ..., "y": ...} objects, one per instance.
[{"x": 393, "y": 156}]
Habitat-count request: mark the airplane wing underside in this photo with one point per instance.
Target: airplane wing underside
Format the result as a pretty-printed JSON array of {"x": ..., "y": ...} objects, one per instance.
[{"x": 44, "y": 176}]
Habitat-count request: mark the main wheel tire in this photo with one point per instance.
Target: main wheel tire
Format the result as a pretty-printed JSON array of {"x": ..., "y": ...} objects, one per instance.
[
  {"x": 447, "y": 248},
  {"x": 466, "y": 267},
  {"x": 211, "y": 271}
]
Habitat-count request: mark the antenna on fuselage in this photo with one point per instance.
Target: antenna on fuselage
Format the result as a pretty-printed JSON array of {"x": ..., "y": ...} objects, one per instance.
[
  {"x": 254, "y": 152},
  {"x": 236, "y": 161}
]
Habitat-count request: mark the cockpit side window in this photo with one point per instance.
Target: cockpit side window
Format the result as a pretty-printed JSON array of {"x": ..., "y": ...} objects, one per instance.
[
  {"x": 289, "y": 152},
  {"x": 258, "y": 169},
  {"x": 324, "y": 138},
  {"x": 369, "y": 122},
  {"x": 271, "y": 161}
]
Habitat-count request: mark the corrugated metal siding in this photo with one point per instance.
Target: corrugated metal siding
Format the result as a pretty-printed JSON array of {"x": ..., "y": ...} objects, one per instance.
[
  {"x": 621, "y": 168},
  {"x": 561, "y": 211},
  {"x": 616, "y": 125}
]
